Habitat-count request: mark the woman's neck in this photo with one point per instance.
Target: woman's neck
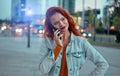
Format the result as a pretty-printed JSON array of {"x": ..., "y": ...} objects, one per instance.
[{"x": 66, "y": 37}]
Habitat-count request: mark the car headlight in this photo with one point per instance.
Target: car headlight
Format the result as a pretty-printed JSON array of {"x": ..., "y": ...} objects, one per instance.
[
  {"x": 89, "y": 34},
  {"x": 18, "y": 30},
  {"x": 84, "y": 34}
]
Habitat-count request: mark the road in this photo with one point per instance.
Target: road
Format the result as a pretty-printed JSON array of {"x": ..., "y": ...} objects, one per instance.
[
  {"x": 18, "y": 60},
  {"x": 104, "y": 39}
]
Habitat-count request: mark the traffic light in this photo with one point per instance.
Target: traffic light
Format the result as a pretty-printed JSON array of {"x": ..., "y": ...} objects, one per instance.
[
  {"x": 111, "y": 21},
  {"x": 97, "y": 11}
]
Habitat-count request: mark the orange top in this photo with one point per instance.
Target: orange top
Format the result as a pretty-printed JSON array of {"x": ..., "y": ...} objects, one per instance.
[{"x": 64, "y": 69}]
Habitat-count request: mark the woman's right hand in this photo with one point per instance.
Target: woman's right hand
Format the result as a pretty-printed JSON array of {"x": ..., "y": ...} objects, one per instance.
[{"x": 58, "y": 37}]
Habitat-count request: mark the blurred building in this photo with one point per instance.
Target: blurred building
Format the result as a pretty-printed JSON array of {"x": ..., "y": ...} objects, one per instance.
[
  {"x": 5, "y": 9},
  {"x": 35, "y": 9},
  {"x": 22, "y": 9},
  {"x": 68, "y": 4}
]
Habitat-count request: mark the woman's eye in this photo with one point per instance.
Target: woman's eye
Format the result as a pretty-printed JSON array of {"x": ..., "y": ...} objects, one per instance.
[
  {"x": 56, "y": 23},
  {"x": 63, "y": 19}
]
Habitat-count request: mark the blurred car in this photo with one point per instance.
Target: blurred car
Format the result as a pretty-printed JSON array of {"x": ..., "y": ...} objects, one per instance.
[
  {"x": 40, "y": 31},
  {"x": 19, "y": 31},
  {"x": 86, "y": 34}
]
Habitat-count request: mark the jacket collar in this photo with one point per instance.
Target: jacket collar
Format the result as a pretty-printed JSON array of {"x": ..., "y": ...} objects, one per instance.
[{"x": 72, "y": 38}]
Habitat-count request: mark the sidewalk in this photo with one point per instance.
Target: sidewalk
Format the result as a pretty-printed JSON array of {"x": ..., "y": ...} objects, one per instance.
[{"x": 18, "y": 60}]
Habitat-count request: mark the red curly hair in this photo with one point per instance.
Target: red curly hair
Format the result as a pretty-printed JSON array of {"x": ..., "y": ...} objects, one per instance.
[{"x": 48, "y": 26}]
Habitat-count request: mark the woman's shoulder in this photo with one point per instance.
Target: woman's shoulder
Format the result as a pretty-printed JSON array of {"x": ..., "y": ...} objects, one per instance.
[
  {"x": 48, "y": 42},
  {"x": 42, "y": 40},
  {"x": 80, "y": 38}
]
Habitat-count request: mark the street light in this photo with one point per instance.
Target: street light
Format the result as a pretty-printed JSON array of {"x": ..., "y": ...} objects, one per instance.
[
  {"x": 108, "y": 16},
  {"x": 95, "y": 14},
  {"x": 28, "y": 14},
  {"x": 83, "y": 13}
]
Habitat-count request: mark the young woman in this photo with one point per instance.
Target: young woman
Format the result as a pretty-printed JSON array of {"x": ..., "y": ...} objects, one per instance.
[{"x": 63, "y": 50}]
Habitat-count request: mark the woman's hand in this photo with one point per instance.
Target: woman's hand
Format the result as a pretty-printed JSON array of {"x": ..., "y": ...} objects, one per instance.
[{"x": 58, "y": 37}]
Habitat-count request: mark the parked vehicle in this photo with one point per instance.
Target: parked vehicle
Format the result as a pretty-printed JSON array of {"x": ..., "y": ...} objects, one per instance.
[{"x": 86, "y": 34}]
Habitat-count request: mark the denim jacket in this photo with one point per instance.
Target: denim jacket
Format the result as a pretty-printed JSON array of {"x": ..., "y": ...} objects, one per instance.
[{"x": 77, "y": 51}]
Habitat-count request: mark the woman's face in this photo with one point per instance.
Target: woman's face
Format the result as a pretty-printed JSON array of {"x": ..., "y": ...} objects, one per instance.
[{"x": 59, "y": 22}]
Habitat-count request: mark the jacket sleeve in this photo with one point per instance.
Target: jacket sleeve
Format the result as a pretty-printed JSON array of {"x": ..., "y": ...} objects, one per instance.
[
  {"x": 94, "y": 56},
  {"x": 46, "y": 58}
]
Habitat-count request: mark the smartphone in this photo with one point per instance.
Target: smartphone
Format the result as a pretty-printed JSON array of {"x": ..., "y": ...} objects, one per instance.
[{"x": 54, "y": 29}]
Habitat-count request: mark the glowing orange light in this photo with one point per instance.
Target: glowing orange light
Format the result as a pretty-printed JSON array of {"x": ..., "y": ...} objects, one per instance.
[{"x": 112, "y": 27}]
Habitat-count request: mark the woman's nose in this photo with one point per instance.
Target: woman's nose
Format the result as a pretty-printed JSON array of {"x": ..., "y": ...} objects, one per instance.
[{"x": 61, "y": 23}]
